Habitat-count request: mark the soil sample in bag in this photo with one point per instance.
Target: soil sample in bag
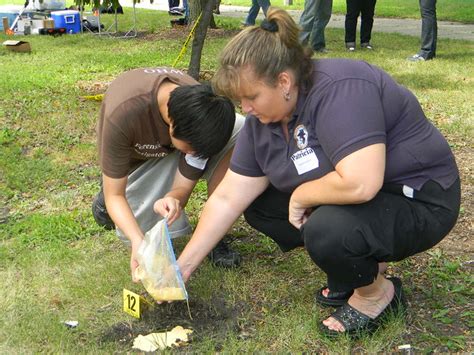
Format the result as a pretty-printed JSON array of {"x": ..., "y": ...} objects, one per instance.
[{"x": 158, "y": 270}]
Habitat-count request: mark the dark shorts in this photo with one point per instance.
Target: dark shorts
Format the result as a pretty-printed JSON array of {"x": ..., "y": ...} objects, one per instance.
[{"x": 348, "y": 241}]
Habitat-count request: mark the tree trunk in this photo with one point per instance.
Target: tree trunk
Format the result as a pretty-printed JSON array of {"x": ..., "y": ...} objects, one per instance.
[
  {"x": 199, "y": 35},
  {"x": 195, "y": 7}
]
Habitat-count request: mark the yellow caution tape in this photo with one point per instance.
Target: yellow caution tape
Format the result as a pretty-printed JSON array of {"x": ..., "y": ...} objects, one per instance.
[
  {"x": 185, "y": 45},
  {"x": 98, "y": 97}
]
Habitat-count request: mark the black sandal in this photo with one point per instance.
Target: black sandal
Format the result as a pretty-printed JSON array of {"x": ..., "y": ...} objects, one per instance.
[
  {"x": 333, "y": 299},
  {"x": 355, "y": 322}
]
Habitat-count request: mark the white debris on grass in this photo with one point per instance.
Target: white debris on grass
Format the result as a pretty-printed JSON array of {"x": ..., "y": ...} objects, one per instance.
[
  {"x": 404, "y": 347},
  {"x": 71, "y": 323},
  {"x": 154, "y": 341}
]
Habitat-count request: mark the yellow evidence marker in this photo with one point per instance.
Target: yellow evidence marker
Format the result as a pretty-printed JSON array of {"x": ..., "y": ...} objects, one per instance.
[{"x": 133, "y": 303}]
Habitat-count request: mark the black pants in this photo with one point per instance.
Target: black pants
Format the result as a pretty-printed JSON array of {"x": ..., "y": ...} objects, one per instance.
[
  {"x": 348, "y": 241},
  {"x": 366, "y": 9}
]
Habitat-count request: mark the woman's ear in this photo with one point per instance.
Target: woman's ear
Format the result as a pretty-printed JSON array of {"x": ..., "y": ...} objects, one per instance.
[{"x": 285, "y": 81}]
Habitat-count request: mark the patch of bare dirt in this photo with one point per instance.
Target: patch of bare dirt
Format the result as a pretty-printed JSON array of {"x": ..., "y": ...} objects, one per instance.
[
  {"x": 181, "y": 32},
  {"x": 430, "y": 297},
  {"x": 436, "y": 318},
  {"x": 460, "y": 242},
  {"x": 216, "y": 318},
  {"x": 93, "y": 88}
]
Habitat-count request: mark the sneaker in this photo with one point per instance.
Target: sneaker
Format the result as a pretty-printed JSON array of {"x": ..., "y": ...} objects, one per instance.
[
  {"x": 245, "y": 24},
  {"x": 351, "y": 46},
  {"x": 183, "y": 21},
  {"x": 366, "y": 45},
  {"x": 173, "y": 12},
  {"x": 223, "y": 256},
  {"x": 99, "y": 211},
  {"x": 321, "y": 50},
  {"x": 177, "y": 9},
  {"x": 416, "y": 58}
]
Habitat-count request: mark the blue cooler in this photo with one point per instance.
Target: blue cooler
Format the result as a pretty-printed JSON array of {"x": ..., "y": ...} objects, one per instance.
[
  {"x": 11, "y": 12},
  {"x": 68, "y": 19}
]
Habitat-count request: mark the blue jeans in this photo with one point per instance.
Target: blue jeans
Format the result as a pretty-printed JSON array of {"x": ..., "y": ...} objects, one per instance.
[
  {"x": 313, "y": 21},
  {"x": 186, "y": 9},
  {"x": 429, "y": 29},
  {"x": 254, "y": 9}
]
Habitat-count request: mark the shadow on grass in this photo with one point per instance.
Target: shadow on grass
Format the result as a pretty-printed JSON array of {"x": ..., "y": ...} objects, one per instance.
[
  {"x": 423, "y": 80},
  {"x": 465, "y": 55}
]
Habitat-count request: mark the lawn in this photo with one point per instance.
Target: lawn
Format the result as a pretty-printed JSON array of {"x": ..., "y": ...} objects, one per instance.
[
  {"x": 57, "y": 265},
  {"x": 447, "y": 10}
]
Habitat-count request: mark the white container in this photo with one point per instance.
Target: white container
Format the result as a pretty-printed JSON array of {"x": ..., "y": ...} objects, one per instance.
[
  {"x": 36, "y": 25},
  {"x": 47, "y": 5},
  {"x": 21, "y": 24}
]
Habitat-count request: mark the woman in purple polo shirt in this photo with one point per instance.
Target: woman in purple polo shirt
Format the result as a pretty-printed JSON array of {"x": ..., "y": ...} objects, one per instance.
[{"x": 334, "y": 156}]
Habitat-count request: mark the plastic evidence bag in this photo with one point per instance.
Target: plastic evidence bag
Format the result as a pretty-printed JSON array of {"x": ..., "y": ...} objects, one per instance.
[{"x": 158, "y": 270}]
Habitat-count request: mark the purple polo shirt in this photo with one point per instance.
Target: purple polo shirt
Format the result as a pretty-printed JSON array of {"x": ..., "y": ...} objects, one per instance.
[{"x": 350, "y": 105}]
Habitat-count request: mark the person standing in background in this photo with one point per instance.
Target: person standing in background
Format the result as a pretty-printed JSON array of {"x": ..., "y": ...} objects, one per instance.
[
  {"x": 254, "y": 10},
  {"x": 313, "y": 21},
  {"x": 217, "y": 7},
  {"x": 429, "y": 32},
  {"x": 366, "y": 9},
  {"x": 172, "y": 6}
]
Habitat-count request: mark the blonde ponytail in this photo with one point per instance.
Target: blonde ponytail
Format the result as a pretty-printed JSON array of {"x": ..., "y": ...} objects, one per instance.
[{"x": 268, "y": 50}]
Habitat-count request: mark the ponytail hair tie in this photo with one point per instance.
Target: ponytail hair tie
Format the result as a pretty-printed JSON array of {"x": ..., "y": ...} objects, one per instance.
[{"x": 270, "y": 26}]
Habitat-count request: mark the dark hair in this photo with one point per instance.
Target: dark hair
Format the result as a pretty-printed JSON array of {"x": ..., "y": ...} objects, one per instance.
[
  {"x": 267, "y": 50},
  {"x": 201, "y": 118}
]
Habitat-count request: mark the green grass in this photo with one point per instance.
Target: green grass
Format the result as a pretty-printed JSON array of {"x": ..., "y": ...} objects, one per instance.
[
  {"x": 447, "y": 10},
  {"x": 57, "y": 265}
]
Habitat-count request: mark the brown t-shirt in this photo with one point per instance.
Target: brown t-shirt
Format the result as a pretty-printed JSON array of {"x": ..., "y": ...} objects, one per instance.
[{"x": 131, "y": 128}]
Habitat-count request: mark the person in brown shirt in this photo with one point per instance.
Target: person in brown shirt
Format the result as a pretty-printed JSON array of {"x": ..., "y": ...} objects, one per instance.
[{"x": 159, "y": 132}]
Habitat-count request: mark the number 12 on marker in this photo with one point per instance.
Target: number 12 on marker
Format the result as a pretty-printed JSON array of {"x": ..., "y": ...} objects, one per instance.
[{"x": 131, "y": 303}]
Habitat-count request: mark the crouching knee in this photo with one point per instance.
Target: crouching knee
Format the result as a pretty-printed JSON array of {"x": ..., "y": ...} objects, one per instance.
[
  {"x": 253, "y": 217},
  {"x": 323, "y": 235}
]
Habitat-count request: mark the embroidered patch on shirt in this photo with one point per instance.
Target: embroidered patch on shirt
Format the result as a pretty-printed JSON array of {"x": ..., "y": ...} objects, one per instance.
[{"x": 301, "y": 136}]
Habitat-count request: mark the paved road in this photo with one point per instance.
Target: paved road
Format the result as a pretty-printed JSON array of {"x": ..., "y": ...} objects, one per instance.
[{"x": 411, "y": 27}]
